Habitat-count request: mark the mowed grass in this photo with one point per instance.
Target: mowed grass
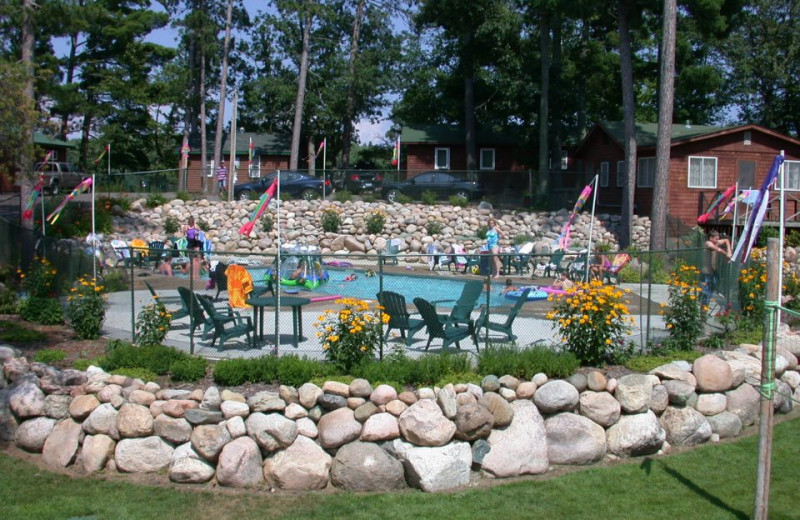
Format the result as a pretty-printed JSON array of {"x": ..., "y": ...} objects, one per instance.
[{"x": 708, "y": 482}]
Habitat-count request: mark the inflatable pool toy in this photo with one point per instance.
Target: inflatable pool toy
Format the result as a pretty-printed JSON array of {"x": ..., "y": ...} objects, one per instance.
[
  {"x": 369, "y": 273},
  {"x": 338, "y": 263},
  {"x": 301, "y": 266},
  {"x": 536, "y": 294},
  {"x": 351, "y": 277},
  {"x": 553, "y": 291}
]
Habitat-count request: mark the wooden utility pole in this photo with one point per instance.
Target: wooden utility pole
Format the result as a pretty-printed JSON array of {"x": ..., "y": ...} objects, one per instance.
[
  {"x": 761, "y": 510},
  {"x": 232, "y": 161}
]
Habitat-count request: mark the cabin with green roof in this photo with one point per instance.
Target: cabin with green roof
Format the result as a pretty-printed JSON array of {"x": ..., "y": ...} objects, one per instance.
[{"x": 704, "y": 161}]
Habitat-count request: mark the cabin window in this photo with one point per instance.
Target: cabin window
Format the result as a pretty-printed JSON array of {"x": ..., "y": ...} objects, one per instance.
[
  {"x": 604, "y": 170},
  {"x": 487, "y": 158},
  {"x": 621, "y": 167},
  {"x": 255, "y": 168},
  {"x": 646, "y": 172},
  {"x": 442, "y": 158},
  {"x": 703, "y": 172},
  {"x": 791, "y": 175},
  {"x": 748, "y": 138}
]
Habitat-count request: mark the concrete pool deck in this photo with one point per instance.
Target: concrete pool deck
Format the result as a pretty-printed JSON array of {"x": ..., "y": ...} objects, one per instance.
[{"x": 530, "y": 329}]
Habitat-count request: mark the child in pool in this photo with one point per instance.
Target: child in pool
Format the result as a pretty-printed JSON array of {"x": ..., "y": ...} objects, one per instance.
[
  {"x": 510, "y": 287},
  {"x": 563, "y": 282}
]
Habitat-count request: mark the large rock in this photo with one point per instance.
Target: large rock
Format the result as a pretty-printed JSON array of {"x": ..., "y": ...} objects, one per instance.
[
  {"x": 96, "y": 452},
  {"x": 744, "y": 402},
  {"x": 634, "y": 392},
  {"x": 673, "y": 371},
  {"x": 82, "y": 406},
  {"x": 713, "y": 374},
  {"x": 134, "y": 420},
  {"x": 556, "y": 396},
  {"x": 176, "y": 430},
  {"x": 309, "y": 394},
  {"x": 521, "y": 448},
  {"x": 266, "y": 402},
  {"x": 272, "y": 432},
  {"x": 436, "y": 469},
  {"x": 31, "y": 434},
  {"x": 659, "y": 399},
  {"x": 338, "y": 428},
  {"x": 57, "y": 406},
  {"x": 211, "y": 399},
  {"x": 239, "y": 464},
  {"x": 680, "y": 392},
  {"x": 711, "y": 404},
  {"x": 473, "y": 421},
  {"x": 383, "y": 394},
  {"x": 447, "y": 401},
  {"x": 61, "y": 446},
  {"x": 380, "y": 427},
  {"x": 234, "y": 409},
  {"x": 302, "y": 466},
  {"x": 27, "y": 400},
  {"x": 725, "y": 424},
  {"x": 187, "y": 467},
  {"x": 209, "y": 439},
  {"x": 102, "y": 420},
  {"x": 685, "y": 426},
  {"x": 573, "y": 439},
  {"x": 637, "y": 434},
  {"x": 501, "y": 409},
  {"x": 424, "y": 424},
  {"x": 600, "y": 407},
  {"x": 752, "y": 366},
  {"x": 143, "y": 455},
  {"x": 362, "y": 466}
]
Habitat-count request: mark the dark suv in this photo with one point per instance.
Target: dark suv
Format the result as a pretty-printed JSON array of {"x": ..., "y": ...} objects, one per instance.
[
  {"x": 358, "y": 181},
  {"x": 298, "y": 185},
  {"x": 59, "y": 176},
  {"x": 442, "y": 183}
]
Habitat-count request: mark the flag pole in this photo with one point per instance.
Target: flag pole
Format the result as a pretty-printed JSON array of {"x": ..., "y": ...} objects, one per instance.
[
  {"x": 398, "y": 157},
  {"x": 324, "y": 160},
  {"x": 782, "y": 230},
  {"x": 591, "y": 226},
  {"x": 108, "y": 188},
  {"x": 94, "y": 235},
  {"x": 277, "y": 272}
]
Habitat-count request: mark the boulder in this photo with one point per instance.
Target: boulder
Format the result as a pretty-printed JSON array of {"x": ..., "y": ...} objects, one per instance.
[
  {"x": 634, "y": 392},
  {"x": 434, "y": 469},
  {"x": 685, "y": 426},
  {"x": 659, "y": 399},
  {"x": 82, "y": 406},
  {"x": 424, "y": 424},
  {"x": 302, "y": 466},
  {"x": 143, "y": 455},
  {"x": 57, "y": 406},
  {"x": 556, "y": 396},
  {"x": 600, "y": 407},
  {"x": 96, "y": 451},
  {"x": 596, "y": 381},
  {"x": 744, "y": 402},
  {"x": 574, "y": 439},
  {"x": 336, "y": 388},
  {"x": 308, "y": 395},
  {"x": 473, "y": 421},
  {"x": 272, "y": 432},
  {"x": 501, "y": 409},
  {"x": 61, "y": 446},
  {"x": 134, "y": 420},
  {"x": 332, "y": 402},
  {"x": 307, "y": 428},
  {"x": 211, "y": 399},
  {"x": 103, "y": 420},
  {"x": 362, "y": 466},
  {"x": 383, "y": 394},
  {"x": 266, "y": 402},
  {"x": 725, "y": 424},
  {"x": 360, "y": 388},
  {"x": 176, "y": 430},
  {"x": 521, "y": 448},
  {"x": 234, "y": 409},
  {"x": 679, "y": 392},
  {"x": 338, "y": 428},
  {"x": 380, "y": 427},
  {"x": 26, "y": 400},
  {"x": 525, "y": 390},
  {"x": 673, "y": 371},
  {"x": 32, "y": 434},
  {"x": 209, "y": 439},
  {"x": 711, "y": 404},
  {"x": 187, "y": 467},
  {"x": 713, "y": 374},
  {"x": 239, "y": 464},
  {"x": 447, "y": 401},
  {"x": 637, "y": 434}
]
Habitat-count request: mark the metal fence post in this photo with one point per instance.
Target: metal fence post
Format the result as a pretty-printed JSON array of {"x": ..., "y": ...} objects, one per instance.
[{"x": 380, "y": 291}]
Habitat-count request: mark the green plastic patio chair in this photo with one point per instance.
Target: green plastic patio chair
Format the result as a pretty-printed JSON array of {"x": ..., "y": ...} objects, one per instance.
[
  {"x": 394, "y": 305},
  {"x": 448, "y": 332},
  {"x": 484, "y": 321},
  {"x": 228, "y": 326},
  {"x": 198, "y": 318},
  {"x": 170, "y": 300}
]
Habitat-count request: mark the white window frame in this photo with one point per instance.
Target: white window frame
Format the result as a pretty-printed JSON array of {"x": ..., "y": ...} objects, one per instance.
[
  {"x": 436, "y": 165},
  {"x": 211, "y": 169},
  {"x": 791, "y": 175},
  {"x": 564, "y": 160},
  {"x": 255, "y": 169},
  {"x": 487, "y": 166},
  {"x": 621, "y": 171},
  {"x": 605, "y": 167},
  {"x": 646, "y": 172},
  {"x": 704, "y": 161}
]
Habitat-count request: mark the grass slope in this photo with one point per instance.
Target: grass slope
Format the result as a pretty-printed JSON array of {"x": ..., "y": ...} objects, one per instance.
[{"x": 710, "y": 482}]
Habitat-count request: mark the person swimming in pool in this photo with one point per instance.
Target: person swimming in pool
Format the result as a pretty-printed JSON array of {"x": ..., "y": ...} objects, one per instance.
[{"x": 510, "y": 287}]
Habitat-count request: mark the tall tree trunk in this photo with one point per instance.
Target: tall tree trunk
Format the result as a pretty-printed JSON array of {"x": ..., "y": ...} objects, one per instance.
[
  {"x": 629, "y": 123},
  {"x": 301, "y": 91},
  {"x": 580, "y": 93},
  {"x": 469, "y": 105},
  {"x": 555, "y": 96},
  {"x": 349, "y": 116},
  {"x": 658, "y": 226},
  {"x": 73, "y": 44},
  {"x": 203, "y": 130},
  {"x": 25, "y": 159},
  {"x": 544, "y": 50},
  {"x": 312, "y": 156},
  {"x": 223, "y": 86}
]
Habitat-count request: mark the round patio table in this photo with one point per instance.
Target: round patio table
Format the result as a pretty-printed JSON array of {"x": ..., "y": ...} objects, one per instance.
[{"x": 295, "y": 302}]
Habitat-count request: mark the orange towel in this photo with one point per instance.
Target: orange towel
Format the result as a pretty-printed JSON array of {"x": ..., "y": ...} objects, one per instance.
[{"x": 240, "y": 285}]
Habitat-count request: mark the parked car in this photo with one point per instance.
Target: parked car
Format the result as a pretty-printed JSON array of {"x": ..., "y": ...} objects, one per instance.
[
  {"x": 59, "y": 176},
  {"x": 358, "y": 181},
  {"x": 443, "y": 184},
  {"x": 296, "y": 184}
]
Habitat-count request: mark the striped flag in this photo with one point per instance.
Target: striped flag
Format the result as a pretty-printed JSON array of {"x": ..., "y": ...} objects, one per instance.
[
  {"x": 562, "y": 241},
  {"x": 106, "y": 148},
  {"x": 322, "y": 146},
  {"x": 396, "y": 153},
  {"x": 85, "y": 185},
  {"x": 261, "y": 208},
  {"x": 250, "y": 151}
]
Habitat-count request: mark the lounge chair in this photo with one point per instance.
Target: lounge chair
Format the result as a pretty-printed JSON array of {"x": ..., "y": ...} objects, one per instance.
[
  {"x": 170, "y": 300},
  {"x": 228, "y": 326},
  {"x": 196, "y": 315},
  {"x": 219, "y": 278},
  {"x": 391, "y": 251},
  {"x": 434, "y": 257},
  {"x": 484, "y": 321},
  {"x": 156, "y": 253},
  {"x": 456, "y": 257},
  {"x": 139, "y": 251},
  {"x": 619, "y": 261},
  {"x": 448, "y": 332},
  {"x": 461, "y": 314},
  {"x": 122, "y": 253},
  {"x": 394, "y": 305}
]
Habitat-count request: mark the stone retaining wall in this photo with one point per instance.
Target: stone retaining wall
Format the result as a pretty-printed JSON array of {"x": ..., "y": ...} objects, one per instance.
[
  {"x": 363, "y": 438},
  {"x": 301, "y": 221}
]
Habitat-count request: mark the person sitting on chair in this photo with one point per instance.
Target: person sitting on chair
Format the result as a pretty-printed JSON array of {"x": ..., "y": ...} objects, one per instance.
[
  {"x": 563, "y": 282},
  {"x": 601, "y": 265},
  {"x": 165, "y": 267}
]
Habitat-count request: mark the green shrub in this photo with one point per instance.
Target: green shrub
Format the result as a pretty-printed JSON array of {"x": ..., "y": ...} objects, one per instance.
[
  {"x": 524, "y": 363},
  {"x": 49, "y": 356},
  {"x": 267, "y": 224},
  {"x": 156, "y": 358},
  {"x": 152, "y": 324},
  {"x": 285, "y": 196},
  {"x": 182, "y": 195},
  {"x": 522, "y": 239},
  {"x": 368, "y": 196},
  {"x": 235, "y": 372},
  {"x": 40, "y": 279},
  {"x": 630, "y": 275},
  {"x": 481, "y": 233},
  {"x": 457, "y": 201},
  {"x": 86, "y": 308},
  {"x": 349, "y": 335},
  {"x": 171, "y": 225},
  {"x": 136, "y": 373},
  {"x": 343, "y": 196},
  {"x": 84, "y": 364},
  {"x": 203, "y": 225},
  {"x": 154, "y": 200},
  {"x": 12, "y": 332},
  {"x": 684, "y": 314},
  {"x": 8, "y": 301},
  {"x": 188, "y": 369},
  {"x": 331, "y": 220},
  {"x": 434, "y": 226},
  {"x": 428, "y": 197},
  {"x": 469, "y": 377},
  {"x": 375, "y": 220},
  {"x": 44, "y": 311},
  {"x": 403, "y": 199},
  {"x": 765, "y": 234},
  {"x": 295, "y": 371},
  {"x": 646, "y": 363},
  {"x": 115, "y": 282}
]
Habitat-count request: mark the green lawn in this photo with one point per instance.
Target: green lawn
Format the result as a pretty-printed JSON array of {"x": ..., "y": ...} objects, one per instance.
[{"x": 708, "y": 482}]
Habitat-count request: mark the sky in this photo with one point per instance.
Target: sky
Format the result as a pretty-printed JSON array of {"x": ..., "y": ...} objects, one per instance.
[{"x": 368, "y": 132}]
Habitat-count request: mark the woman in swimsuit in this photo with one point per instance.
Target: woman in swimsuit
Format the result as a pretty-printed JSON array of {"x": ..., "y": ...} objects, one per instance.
[{"x": 493, "y": 236}]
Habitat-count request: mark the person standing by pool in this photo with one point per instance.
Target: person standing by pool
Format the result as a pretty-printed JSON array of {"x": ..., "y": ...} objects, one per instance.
[
  {"x": 493, "y": 236},
  {"x": 191, "y": 231},
  {"x": 222, "y": 176},
  {"x": 708, "y": 275}
]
